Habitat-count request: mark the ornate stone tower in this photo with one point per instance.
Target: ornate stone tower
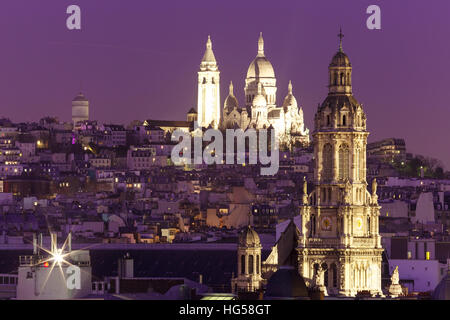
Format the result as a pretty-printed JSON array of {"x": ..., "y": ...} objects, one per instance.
[
  {"x": 339, "y": 240},
  {"x": 80, "y": 108},
  {"x": 249, "y": 262},
  {"x": 208, "y": 107}
]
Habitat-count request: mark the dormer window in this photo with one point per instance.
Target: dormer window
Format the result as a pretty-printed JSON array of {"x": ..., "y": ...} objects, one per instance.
[{"x": 344, "y": 120}]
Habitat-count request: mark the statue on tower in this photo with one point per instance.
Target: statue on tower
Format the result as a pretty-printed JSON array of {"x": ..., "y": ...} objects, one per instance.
[
  {"x": 319, "y": 281},
  {"x": 374, "y": 191},
  {"x": 395, "y": 289},
  {"x": 347, "y": 192},
  {"x": 305, "y": 191}
]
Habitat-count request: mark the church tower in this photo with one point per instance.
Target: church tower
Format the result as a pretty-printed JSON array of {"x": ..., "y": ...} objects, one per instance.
[
  {"x": 340, "y": 241},
  {"x": 208, "y": 106},
  {"x": 249, "y": 262}
]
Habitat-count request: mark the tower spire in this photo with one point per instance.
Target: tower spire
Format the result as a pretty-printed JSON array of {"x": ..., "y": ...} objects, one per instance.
[
  {"x": 209, "y": 57},
  {"x": 260, "y": 45},
  {"x": 340, "y": 35}
]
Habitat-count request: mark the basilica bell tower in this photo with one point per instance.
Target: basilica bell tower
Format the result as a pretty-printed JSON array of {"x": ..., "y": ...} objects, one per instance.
[
  {"x": 339, "y": 243},
  {"x": 208, "y": 107}
]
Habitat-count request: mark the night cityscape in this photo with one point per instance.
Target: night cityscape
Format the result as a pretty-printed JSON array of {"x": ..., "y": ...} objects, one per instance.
[{"x": 237, "y": 151}]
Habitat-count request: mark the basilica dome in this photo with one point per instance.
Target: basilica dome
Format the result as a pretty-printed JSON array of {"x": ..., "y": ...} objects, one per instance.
[
  {"x": 231, "y": 102},
  {"x": 260, "y": 68},
  {"x": 260, "y": 100},
  {"x": 249, "y": 238},
  {"x": 290, "y": 99}
]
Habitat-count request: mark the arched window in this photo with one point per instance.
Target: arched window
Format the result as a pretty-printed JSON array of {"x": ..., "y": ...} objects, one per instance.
[
  {"x": 204, "y": 80},
  {"x": 250, "y": 264},
  {"x": 328, "y": 120},
  {"x": 344, "y": 163},
  {"x": 313, "y": 225},
  {"x": 342, "y": 79},
  {"x": 334, "y": 275},
  {"x": 257, "y": 264},
  {"x": 335, "y": 78},
  {"x": 368, "y": 224},
  {"x": 357, "y": 163},
  {"x": 344, "y": 120},
  {"x": 328, "y": 161},
  {"x": 361, "y": 165},
  {"x": 325, "y": 274},
  {"x": 243, "y": 264}
]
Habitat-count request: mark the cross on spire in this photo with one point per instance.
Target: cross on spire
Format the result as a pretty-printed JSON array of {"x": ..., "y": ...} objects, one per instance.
[{"x": 340, "y": 35}]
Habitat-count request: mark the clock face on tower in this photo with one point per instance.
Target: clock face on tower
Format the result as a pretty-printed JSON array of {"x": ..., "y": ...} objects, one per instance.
[
  {"x": 359, "y": 224},
  {"x": 326, "y": 224}
]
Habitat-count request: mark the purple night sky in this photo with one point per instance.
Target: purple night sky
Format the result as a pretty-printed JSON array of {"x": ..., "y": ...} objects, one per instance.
[{"x": 139, "y": 59}]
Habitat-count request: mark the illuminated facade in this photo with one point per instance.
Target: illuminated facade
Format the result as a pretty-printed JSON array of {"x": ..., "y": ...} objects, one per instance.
[
  {"x": 339, "y": 238},
  {"x": 260, "y": 110}
]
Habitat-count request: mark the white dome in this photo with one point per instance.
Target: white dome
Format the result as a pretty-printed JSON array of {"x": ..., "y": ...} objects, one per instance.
[
  {"x": 259, "y": 101},
  {"x": 290, "y": 99},
  {"x": 260, "y": 68}
]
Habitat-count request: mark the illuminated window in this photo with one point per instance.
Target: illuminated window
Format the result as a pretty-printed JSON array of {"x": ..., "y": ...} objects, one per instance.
[{"x": 427, "y": 255}]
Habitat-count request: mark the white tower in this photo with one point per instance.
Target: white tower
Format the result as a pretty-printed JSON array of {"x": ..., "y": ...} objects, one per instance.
[
  {"x": 80, "y": 108},
  {"x": 208, "y": 89}
]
